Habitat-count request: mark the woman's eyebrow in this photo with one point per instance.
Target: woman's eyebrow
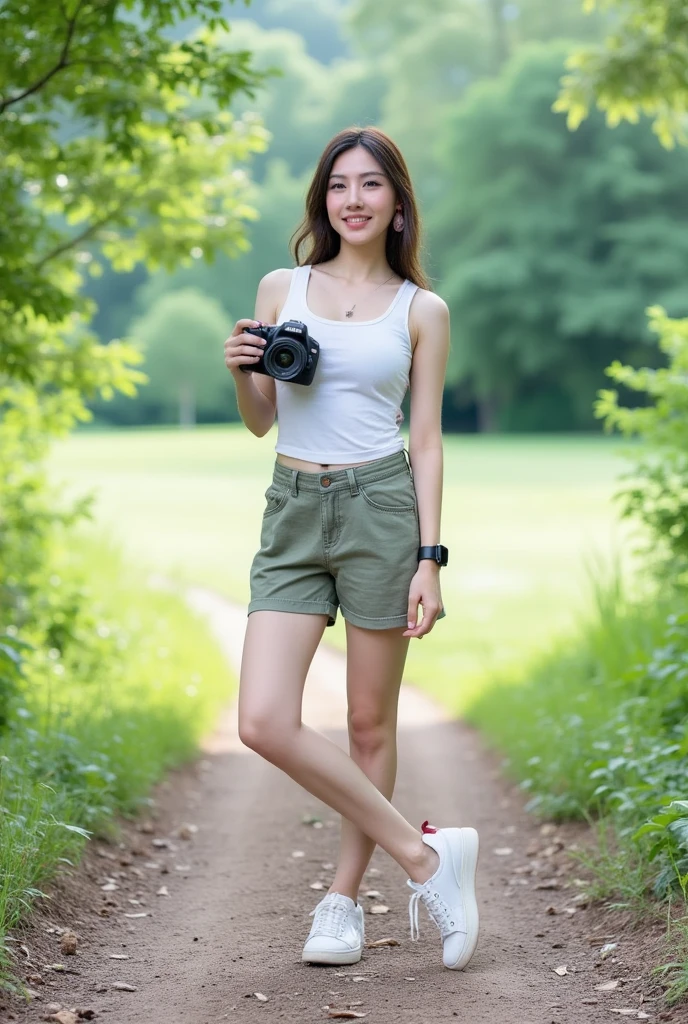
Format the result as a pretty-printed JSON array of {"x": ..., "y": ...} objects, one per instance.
[{"x": 365, "y": 174}]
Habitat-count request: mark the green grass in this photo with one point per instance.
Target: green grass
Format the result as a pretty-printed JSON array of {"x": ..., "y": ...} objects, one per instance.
[
  {"x": 520, "y": 514},
  {"x": 77, "y": 753}
]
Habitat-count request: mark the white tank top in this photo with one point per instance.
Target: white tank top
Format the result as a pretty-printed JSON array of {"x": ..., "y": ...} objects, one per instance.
[{"x": 349, "y": 412}]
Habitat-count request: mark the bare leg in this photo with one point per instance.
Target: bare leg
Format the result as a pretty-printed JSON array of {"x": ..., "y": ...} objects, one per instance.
[
  {"x": 278, "y": 650},
  {"x": 375, "y": 664}
]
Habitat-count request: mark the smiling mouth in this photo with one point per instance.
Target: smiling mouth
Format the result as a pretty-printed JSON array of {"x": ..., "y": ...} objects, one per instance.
[{"x": 356, "y": 220}]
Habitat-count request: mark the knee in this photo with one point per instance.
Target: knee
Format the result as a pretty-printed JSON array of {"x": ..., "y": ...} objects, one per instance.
[
  {"x": 259, "y": 732},
  {"x": 370, "y": 731}
]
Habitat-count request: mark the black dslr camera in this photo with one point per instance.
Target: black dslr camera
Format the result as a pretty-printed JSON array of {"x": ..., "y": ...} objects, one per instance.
[{"x": 289, "y": 353}]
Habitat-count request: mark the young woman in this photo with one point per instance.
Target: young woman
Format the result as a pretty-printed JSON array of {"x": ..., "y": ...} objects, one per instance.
[{"x": 347, "y": 526}]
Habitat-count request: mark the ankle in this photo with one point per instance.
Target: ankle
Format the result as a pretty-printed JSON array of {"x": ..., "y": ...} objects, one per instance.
[
  {"x": 344, "y": 890},
  {"x": 424, "y": 864}
]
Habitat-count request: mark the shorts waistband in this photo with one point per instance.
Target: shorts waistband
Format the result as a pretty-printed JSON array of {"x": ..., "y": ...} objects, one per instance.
[{"x": 336, "y": 479}]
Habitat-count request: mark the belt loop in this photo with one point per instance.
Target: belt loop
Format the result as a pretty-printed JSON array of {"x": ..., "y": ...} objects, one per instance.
[
  {"x": 353, "y": 485},
  {"x": 294, "y": 478}
]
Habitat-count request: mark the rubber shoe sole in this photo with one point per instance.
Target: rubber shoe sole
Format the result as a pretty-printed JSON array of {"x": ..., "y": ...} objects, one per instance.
[
  {"x": 346, "y": 956},
  {"x": 464, "y": 868}
]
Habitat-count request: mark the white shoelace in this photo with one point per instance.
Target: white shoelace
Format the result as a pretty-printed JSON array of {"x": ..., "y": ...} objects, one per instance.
[
  {"x": 436, "y": 907},
  {"x": 330, "y": 918}
]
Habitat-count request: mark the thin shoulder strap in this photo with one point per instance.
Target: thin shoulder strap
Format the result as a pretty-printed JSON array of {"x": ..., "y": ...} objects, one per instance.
[
  {"x": 404, "y": 299},
  {"x": 299, "y": 284},
  {"x": 296, "y": 296}
]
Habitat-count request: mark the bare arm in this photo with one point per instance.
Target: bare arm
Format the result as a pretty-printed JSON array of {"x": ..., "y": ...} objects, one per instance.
[
  {"x": 256, "y": 396},
  {"x": 430, "y": 317}
]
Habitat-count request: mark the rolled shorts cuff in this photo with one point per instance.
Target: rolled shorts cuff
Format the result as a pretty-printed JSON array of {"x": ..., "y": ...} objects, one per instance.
[
  {"x": 276, "y": 604},
  {"x": 385, "y": 622}
]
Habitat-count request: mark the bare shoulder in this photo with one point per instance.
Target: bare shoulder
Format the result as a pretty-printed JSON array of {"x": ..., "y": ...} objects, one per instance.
[
  {"x": 428, "y": 314},
  {"x": 273, "y": 289}
]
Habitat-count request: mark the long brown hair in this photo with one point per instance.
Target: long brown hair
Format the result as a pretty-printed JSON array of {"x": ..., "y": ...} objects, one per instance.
[{"x": 318, "y": 237}]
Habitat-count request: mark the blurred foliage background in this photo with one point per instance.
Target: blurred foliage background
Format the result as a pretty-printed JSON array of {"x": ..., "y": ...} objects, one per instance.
[{"x": 547, "y": 244}]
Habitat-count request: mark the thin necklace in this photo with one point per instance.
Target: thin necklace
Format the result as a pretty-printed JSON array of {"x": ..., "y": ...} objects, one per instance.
[{"x": 350, "y": 312}]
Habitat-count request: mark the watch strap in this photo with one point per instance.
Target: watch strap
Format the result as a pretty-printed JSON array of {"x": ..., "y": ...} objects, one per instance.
[{"x": 436, "y": 552}]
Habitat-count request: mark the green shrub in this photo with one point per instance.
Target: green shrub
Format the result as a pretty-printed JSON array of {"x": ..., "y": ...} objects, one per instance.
[
  {"x": 599, "y": 725},
  {"x": 657, "y": 489},
  {"x": 95, "y": 722}
]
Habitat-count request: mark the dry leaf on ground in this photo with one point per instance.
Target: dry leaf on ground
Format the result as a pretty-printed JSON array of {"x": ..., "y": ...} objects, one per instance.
[
  {"x": 312, "y": 819},
  {"x": 503, "y": 851},
  {"x": 348, "y": 1014},
  {"x": 68, "y": 943},
  {"x": 298, "y": 853},
  {"x": 382, "y": 942},
  {"x": 187, "y": 831},
  {"x": 317, "y": 885},
  {"x": 608, "y": 948},
  {"x": 121, "y": 986},
  {"x": 548, "y": 883},
  {"x": 119, "y": 956},
  {"x": 64, "y": 1017},
  {"x": 260, "y": 997},
  {"x": 607, "y": 986},
  {"x": 373, "y": 894},
  {"x": 379, "y": 908},
  {"x": 162, "y": 891},
  {"x": 561, "y": 971}
]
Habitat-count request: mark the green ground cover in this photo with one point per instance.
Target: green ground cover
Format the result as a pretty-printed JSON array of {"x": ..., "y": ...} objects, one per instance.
[
  {"x": 91, "y": 732},
  {"x": 520, "y": 516}
]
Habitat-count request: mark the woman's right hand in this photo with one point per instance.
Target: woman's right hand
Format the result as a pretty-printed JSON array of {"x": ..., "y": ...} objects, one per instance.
[{"x": 243, "y": 349}]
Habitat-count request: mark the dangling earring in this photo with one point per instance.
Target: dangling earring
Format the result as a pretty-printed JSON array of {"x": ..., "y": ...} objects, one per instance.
[{"x": 398, "y": 222}]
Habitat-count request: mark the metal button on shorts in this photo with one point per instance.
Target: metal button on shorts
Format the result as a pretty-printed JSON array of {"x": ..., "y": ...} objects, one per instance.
[{"x": 348, "y": 539}]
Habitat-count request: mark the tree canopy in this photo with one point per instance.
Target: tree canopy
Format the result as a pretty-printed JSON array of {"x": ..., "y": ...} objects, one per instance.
[
  {"x": 118, "y": 148},
  {"x": 181, "y": 338},
  {"x": 552, "y": 243},
  {"x": 641, "y": 67}
]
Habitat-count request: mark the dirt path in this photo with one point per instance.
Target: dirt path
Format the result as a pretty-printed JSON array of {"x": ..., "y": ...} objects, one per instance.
[{"x": 233, "y": 912}]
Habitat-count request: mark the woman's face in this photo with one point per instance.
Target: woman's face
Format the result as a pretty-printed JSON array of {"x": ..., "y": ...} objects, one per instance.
[{"x": 360, "y": 197}]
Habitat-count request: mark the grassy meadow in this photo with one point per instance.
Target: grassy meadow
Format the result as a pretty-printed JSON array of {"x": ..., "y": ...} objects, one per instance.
[{"x": 521, "y": 516}]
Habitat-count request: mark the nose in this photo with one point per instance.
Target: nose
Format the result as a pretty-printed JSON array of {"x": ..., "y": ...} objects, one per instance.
[{"x": 353, "y": 199}]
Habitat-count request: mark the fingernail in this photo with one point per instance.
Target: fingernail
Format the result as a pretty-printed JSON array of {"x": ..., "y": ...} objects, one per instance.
[{"x": 410, "y": 625}]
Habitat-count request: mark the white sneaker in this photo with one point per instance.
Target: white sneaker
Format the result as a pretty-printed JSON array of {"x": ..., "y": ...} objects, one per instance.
[
  {"x": 338, "y": 931},
  {"x": 449, "y": 895}
]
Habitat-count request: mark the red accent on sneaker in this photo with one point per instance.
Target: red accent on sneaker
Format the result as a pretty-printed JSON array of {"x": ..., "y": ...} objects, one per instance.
[{"x": 426, "y": 827}]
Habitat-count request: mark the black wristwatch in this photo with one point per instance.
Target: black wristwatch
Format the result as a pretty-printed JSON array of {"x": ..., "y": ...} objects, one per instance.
[{"x": 437, "y": 552}]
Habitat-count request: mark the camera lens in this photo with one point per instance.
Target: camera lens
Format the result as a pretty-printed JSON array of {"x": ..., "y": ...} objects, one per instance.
[{"x": 285, "y": 359}]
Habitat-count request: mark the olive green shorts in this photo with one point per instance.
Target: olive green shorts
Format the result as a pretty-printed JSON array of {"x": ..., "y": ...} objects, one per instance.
[{"x": 339, "y": 538}]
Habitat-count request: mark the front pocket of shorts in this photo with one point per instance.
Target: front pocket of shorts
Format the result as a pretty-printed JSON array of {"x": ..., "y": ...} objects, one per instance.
[
  {"x": 393, "y": 494},
  {"x": 276, "y": 499}
]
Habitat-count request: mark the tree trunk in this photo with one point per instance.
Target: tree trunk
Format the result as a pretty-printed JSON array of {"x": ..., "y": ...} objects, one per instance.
[
  {"x": 488, "y": 414},
  {"x": 187, "y": 405},
  {"x": 500, "y": 43}
]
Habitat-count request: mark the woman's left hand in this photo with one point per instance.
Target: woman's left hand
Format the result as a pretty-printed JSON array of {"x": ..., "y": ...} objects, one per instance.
[{"x": 424, "y": 590}]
